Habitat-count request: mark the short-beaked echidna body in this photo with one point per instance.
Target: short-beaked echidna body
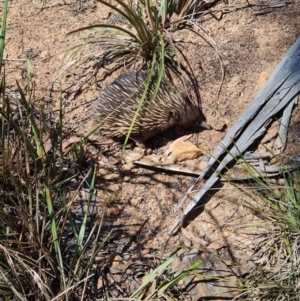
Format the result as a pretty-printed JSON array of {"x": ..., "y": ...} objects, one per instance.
[{"x": 118, "y": 102}]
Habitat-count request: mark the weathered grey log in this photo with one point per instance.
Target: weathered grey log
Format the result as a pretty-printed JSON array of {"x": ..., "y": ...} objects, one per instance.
[{"x": 278, "y": 92}]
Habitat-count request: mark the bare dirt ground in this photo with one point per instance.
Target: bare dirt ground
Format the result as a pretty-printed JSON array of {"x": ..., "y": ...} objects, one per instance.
[{"x": 250, "y": 44}]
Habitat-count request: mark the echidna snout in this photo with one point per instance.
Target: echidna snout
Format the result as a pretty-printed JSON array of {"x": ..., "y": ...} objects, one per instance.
[{"x": 117, "y": 104}]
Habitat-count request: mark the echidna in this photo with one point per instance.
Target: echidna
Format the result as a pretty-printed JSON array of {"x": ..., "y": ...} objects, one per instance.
[{"x": 117, "y": 103}]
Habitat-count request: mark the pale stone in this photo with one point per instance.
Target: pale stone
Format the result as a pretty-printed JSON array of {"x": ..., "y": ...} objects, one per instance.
[
  {"x": 134, "y": 155},
  {"x": 127, "y": 168}
]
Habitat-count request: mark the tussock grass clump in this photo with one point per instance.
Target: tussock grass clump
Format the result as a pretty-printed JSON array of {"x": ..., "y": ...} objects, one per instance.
[
  {"x": 34, "y": 196},
  {"x": 277, "y": 258},
  {"x": 140, "y": 34}
]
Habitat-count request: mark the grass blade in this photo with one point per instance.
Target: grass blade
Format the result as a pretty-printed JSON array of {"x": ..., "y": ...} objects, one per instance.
[
  {"x": 156, "y": 272},
  {"x": 3, "y": 31}
]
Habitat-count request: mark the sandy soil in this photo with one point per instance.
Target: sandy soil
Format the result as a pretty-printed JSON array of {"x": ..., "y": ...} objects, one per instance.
[{"x": 251, "y": 45}]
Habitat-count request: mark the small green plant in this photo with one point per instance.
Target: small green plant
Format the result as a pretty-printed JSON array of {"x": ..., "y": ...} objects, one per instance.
[{"x": 157, "y": 285}]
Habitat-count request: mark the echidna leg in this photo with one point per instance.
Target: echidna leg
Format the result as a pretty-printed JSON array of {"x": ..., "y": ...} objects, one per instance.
[{"x": 139, "y": 143}]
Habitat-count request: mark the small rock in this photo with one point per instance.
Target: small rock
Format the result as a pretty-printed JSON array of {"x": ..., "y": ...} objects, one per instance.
[
  {"x": 104, "y": 159},
  {"x": 251, "y": 264},
  {"x": 118, "y": 260},
  {"x": 168, "y": 161},
  {"x": 113, "y": 211},
  {"x": 126, "y": 179},
  {"x": 44, "y": 54},
  {"x": 145, "y": 278},
  {"x": 127, "y": 168},
  {"x": 218, "y": 15},
  {"x": 5, "y": 54},
  {"x": 102, "y": 171},
  {"x": 152, "y": 160},
  {"x": 187, "y": 242},
  {"x": 112, "y": 176},
  {"x": 126, "y": 256},
  {"x": 134, "y": 155},
  {"x": 225, "y": 234},
  {"x": 185, "y": 150}
]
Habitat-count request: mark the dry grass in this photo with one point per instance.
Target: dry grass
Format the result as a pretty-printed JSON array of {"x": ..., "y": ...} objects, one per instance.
[
  {"x": 47, "y": 252},
  {"x": 276, "y": 262},
  {"x": 37, "y": 262}
]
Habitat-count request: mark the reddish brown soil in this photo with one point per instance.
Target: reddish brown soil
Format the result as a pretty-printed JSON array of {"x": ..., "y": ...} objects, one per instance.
[{"x": 250, "y": 45}]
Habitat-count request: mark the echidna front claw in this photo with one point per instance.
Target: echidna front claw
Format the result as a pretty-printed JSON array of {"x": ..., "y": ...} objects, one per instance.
[{"x": 205, "y": 125}]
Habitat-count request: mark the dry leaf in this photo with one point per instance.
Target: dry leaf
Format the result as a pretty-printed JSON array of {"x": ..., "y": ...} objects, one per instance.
[
  {"x": 47, "y": 143},
  {"x": 99, "y": 283},
  {"x": 185, "y": 150},
  {"x": 215, "y": 246},
  {"x": 140, "y": 254},
  {"x": 73, "y": 139},
  {"x": 180, "y": 139}
]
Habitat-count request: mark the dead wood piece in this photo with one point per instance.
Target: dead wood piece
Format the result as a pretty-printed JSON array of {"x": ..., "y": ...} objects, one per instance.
[
  {"x": 278, "y": 92},
  {"x": 281, "y": 140},
  {"x": 253, "y": 156}
]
